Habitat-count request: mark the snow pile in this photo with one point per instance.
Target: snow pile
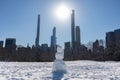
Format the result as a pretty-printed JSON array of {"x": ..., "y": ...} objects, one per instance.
[{"x": 59, "y": 65}]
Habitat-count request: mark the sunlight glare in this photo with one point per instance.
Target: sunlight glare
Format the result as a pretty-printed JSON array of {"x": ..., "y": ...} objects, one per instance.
[{"x": 62, "y": 12}]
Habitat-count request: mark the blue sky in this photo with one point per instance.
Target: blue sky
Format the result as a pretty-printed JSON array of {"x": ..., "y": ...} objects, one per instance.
[{"x": 18, "y": 19}]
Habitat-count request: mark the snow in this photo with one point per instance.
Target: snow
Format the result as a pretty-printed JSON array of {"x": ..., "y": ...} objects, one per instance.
[{"x": 76, "y": 70}]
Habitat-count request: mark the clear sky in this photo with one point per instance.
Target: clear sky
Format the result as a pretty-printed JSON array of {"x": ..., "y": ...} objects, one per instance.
[{"x": 18, "y": 19}]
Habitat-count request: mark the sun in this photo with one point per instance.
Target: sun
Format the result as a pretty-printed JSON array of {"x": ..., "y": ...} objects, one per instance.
[{"x": 62, "y": 12}]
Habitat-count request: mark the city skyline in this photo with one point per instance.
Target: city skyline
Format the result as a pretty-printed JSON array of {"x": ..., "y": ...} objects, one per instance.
[{"x": 95, "y": 18}]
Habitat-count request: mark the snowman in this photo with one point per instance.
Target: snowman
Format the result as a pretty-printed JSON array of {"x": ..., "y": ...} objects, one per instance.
[{"x": 59, "y": 64}]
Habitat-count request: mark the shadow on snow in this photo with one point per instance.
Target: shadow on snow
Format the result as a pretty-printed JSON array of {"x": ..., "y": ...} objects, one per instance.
[{"x": 57, "y": 75}]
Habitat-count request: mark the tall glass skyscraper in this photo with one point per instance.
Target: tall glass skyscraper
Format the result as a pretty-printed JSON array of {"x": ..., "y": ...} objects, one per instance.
[
  {"x": 38, "y": 33},
  {"x": 73, "y": 29},
  {"x": 78, "y": 40},
  {"x": 53, "y": 39}
]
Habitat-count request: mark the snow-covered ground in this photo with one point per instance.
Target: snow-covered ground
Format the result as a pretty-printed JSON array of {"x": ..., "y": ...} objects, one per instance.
[{"x": 76, "y": 70}]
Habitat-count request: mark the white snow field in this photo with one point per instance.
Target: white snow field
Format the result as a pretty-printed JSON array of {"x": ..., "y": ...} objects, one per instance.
[{"x": 76, "y": 70}]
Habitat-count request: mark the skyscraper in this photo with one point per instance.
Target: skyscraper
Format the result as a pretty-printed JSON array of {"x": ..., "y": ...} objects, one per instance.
[
  {"x": 73, "y": 29},
  {"x": 38, "y": 33},
  {"x": 78, "y": 39},
  {"x": 53, "y": 39}
]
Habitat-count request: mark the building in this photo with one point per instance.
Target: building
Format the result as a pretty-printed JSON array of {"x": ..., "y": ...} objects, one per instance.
[
  {"x": 113, "y": 41},
  {"x": 72, "y": 50},
  {"x": 1, "y": 43},
  {"x": 110, "y": 42},
  {"x": 53, "y": 40},
  {"x": 78, "y": 39},
  {"x": 67, "y": 48},
  {"x": 67, "y": 51},
  {"x": 97, "y": 48},
  {"x": 44, "y": 47},
  {"x": 10, "y": 43},
  {"x": 38, "y": 33},
  {"x": 73, "y": 29},
  {"x": 75, "y": 32},
  {"x": 117, "y": 39}
]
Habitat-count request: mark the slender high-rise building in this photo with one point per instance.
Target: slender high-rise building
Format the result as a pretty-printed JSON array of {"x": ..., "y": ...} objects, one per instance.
[
  {"x": 38, "y": 33},
  {"x": 53, "y": 39},
  {"x": 73, "y": 29},
  {"x": 78, "y": 39}
]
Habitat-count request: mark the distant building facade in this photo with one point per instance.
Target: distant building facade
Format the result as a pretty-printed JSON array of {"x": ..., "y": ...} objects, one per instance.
[
  {"x": 53, "y": 40},
  {"x": 117, "y": 39},
  {"x": 97, "y": 48},
  {"x": 1, "y": 43},
  {"x": 113, "y": 41},
  {"x": 67, "y": 51},
  {"x": 44, "y": 47},
  {"x": 110, "y": 42},
  {"x": 78, "y": 39},
  {"x": 10, "y": 43}
]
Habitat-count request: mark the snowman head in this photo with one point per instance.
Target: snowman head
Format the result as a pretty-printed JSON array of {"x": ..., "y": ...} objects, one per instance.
[
  {"x": 59, "y": 54},
  {"x": 59, "y": 48}
]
